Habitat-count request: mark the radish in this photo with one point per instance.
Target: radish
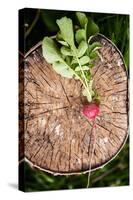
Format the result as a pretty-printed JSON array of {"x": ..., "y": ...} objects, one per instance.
[{"x": 91, "y": 111}]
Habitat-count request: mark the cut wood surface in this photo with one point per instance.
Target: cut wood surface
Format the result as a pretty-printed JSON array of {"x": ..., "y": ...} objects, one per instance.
[{"x": 54, "y": 135}]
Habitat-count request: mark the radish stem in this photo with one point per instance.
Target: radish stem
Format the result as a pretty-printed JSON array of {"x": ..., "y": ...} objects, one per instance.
[
  {"x": 86, "y": 83},
  {"x": 79, "y": 78}
]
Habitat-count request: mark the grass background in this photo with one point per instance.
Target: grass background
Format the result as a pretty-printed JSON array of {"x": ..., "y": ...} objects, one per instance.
[{"x": 39, "y": 23}]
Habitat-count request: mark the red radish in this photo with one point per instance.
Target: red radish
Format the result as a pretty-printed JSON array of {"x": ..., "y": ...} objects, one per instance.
[{"x": 91, "y": 111}]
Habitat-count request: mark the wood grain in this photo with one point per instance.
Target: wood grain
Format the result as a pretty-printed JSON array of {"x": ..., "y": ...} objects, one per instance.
[{"x": 54, "y": 135}]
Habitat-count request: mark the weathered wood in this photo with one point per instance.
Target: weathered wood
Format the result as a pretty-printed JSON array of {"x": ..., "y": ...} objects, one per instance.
[{"x": 54, "y": 135}]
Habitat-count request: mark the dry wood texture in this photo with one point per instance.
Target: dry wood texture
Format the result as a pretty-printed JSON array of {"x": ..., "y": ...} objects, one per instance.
[{"x": 54, "y": 135}]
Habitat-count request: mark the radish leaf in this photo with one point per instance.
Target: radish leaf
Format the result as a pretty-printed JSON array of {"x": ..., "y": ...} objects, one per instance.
[
  {"x": 84, "y": 60},
  {"x": 82, "y": 48},
  {"x": 80, "y": 35},
  {"x": 66, "y": 51},
  {"x": 66, "y": 29},
  {"x": 77, "y": 69},
  {"x": 62, "y": 69},
  {"x": 82, "y": 19},
  {"x": 71, "y": 53},
  {"x": 50, "y": 51}
]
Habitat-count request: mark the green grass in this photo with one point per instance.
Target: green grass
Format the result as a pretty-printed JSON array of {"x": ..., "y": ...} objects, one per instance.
[
  {"x": 116, "y": 27},
  {"x": 116, "y": 173}
]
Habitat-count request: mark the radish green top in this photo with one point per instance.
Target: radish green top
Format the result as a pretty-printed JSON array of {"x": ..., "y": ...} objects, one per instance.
[{"x": 71, "y": 53}]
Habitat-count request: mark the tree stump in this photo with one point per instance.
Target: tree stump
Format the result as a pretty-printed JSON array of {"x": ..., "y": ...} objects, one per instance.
[{"x": 54, "y": 135}]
